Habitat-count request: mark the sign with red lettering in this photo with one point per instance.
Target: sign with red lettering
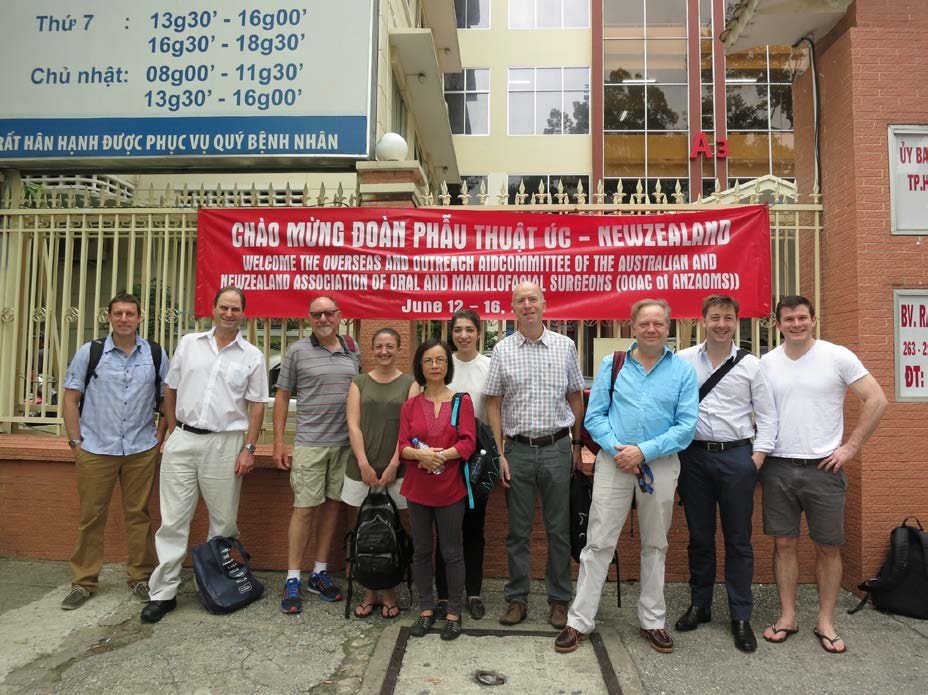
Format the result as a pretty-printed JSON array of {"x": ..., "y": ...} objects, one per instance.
[
  {"x": 910, "y": 321},
  {"x": 428, "y": 263},
  {"x": 702, "y": 147},
  {"x": 908, "y": 179}
]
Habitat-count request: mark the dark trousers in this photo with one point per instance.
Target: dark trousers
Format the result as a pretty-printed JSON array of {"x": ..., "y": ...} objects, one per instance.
[
  {"x": 725, "y": 479},
  {"x": 474, "y": 543},
  {"x": 447, "y": 520}
]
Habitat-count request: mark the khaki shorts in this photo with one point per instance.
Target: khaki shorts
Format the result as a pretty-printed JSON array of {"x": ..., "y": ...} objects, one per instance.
[
  {"x": 317, "y": 473},
  {"x": 791, "y": 487}
]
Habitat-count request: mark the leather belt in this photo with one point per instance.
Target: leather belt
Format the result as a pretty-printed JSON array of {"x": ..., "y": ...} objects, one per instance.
[
  {"x": 546, "y": 440},
  {"x": 720, "y": 446},
  {"x": 193, "y": 430},
  {"x": 796, "y": 462}
]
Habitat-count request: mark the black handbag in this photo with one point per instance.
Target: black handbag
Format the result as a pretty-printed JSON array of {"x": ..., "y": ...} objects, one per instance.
[{"x": 223, "y": 583}]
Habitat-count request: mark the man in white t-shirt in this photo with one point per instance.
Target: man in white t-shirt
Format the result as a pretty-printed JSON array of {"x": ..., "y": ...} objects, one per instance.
[{"x": 805, "y": 471}]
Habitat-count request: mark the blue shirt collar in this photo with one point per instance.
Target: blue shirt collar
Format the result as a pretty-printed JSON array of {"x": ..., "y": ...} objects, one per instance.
[{"x": 667, "y": 353}]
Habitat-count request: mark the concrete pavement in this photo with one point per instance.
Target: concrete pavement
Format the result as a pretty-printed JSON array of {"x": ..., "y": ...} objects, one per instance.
[{"x": 104, "y": 647}]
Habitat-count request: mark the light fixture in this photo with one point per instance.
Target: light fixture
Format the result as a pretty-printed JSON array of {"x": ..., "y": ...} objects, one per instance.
[
  {"x": 639, "y": 80},
  {"x": 421, "y": 77},
  {"x": 391, "y": 148},
  {"x": 742, "y": 80},
  {"x": 623, "y": 115}
]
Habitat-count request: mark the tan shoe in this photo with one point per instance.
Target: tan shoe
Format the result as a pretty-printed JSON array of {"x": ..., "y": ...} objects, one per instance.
[
  {"x": 567, "y": 640},
  {"x": 515, "y": 613},
  {"x": 558, "y": 616}
]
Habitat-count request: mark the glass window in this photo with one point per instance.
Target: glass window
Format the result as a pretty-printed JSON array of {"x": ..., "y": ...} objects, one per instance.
[
  {"x": 623, "y": 107},
  {"x": 667, "y": 107},
  {"x": 624, "y": 18},
  {"x": 707, "y": 104},
  {"x": 746, "y": 106},
  {"x": 623, "y": 59},
  {"x": 784, "y": 154},
  {"x": 472, "y": 14},
  {"x": 549, "y": 101},
  {"x": 666, "y": 61},
  {"x": 624, "y": 155},
  {"x": 781, "y": 107},
  {"x": 467, "y": 95},
  {"x": 747, "y": 65},
  {"x": 549, "y": 14},
  {"x": 705, "y": 18},
  {"x": 705, "y": 60},
  {"x": 665, "y": 18},
  {"x": 780, "y": 68},
  {"x": 668, "y": 155},
  {"x": 749, "y": 154}
]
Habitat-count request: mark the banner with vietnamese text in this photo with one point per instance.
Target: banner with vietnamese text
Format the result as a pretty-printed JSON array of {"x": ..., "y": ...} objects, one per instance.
[{"x": 428, "y": 263}]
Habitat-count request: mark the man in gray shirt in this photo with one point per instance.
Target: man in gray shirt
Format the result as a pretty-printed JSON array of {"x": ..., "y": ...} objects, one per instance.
[
  {"x": 535, "y": 401},
  {"x": 319, "y": 368}
]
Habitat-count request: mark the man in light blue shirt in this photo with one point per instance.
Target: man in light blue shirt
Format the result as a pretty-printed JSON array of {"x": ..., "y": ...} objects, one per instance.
[
  {"x": 649, "y": 418},
  {"x": 110, "y": 420}
]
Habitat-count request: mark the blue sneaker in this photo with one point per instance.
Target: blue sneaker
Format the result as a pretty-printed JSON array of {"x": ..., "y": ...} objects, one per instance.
[
  {"x": 292, "y": 602},
  {"x": 322, "y": 584}
]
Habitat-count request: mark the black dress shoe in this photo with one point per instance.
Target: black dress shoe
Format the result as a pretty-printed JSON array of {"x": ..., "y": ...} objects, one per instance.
[
  {"x": 692, "y": 619},
  {"x": 156, "y": 610},
  {"x": 744, "y": 635}
]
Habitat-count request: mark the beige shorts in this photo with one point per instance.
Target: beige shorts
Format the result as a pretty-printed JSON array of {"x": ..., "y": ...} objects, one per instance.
[
  {"x": 317, "y": 473},
  {"x": 354, "y": 492}
]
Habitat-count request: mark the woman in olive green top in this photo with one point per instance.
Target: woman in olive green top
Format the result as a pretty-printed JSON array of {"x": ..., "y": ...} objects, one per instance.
[{"x": 374, "y": 402}]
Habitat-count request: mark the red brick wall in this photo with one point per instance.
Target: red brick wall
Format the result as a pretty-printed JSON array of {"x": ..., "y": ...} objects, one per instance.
[{"x": 871, "y": 75}]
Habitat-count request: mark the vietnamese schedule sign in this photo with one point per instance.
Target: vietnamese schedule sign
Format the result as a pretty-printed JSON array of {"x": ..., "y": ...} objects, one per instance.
[
  {"x": 428, "y": 263},
  {"x": 92, "y": 79},
  {"x": 910, "y": 320}
]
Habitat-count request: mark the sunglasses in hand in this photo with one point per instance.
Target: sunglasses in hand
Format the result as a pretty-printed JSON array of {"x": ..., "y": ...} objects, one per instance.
[{"x": 646, "y": 479}]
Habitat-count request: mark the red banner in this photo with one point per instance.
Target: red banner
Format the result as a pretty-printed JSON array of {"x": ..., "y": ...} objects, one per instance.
[{"x": 428, "y": 263}]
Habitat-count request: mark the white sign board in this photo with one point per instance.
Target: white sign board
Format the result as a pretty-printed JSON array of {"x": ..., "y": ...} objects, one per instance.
[
  {"x": 107, "y": 80},
  {"x": 908, "y": 178},
  {"x": 910, "y": 323}
]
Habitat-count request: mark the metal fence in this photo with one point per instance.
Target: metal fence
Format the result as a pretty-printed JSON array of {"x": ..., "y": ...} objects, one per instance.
[{"x": 64, "y": 252}]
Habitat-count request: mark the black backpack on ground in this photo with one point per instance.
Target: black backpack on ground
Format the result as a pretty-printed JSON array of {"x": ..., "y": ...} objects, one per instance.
[
  {"x": 902, "y": 585},
  {"x": 96, "y": 352},
  {"x": 223, "y": 583},
  {"x": 481, "y": 470},
  {"x": 581, "y": 498},
  {"x": 379, "y": 549}
]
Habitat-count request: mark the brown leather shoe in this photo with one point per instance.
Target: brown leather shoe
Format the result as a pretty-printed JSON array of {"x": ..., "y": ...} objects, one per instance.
[
  {"x": 567, "y": 640},
  {"x": 558, "y": 616},
  {"x": 515, "y": 613},
  {"x": 659, "y": 640}
]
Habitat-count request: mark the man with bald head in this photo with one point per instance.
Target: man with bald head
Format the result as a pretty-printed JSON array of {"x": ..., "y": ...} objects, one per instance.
[{"x": 535, "y": 408}]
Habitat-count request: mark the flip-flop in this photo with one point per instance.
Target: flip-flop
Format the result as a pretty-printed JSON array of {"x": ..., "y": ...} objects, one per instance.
[
  {"x": 387, "y": 611},
  {"x": 366, "y": 610},
  {"x": 787, "y": 633},
  {"x": 822, "y": 638}
]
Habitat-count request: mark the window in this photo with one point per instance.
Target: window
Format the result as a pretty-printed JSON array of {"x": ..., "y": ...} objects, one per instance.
[
  {"x": 531, "y": 181},
  {"x": 549, "y": 14},
  {"x": 473, "y": 190},
  {"x": 759, "y": 111},
  {"x": 472, "y": 14},
  {"x": 549, "y": 101},
  {"x": 467, "y": 95}
]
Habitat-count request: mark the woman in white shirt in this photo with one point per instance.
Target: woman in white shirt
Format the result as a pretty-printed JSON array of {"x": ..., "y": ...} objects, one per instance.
[{"x": 470, "y": 376}]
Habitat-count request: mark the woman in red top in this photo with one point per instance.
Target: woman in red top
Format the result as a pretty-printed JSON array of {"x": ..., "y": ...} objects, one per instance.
[{"x": 433, "y": 485}]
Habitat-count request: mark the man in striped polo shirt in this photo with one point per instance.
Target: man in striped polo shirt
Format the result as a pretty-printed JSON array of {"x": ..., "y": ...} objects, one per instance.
[{"x": 319, "y": 368}]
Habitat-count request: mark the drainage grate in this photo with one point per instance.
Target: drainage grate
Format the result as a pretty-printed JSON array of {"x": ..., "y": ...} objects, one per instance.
[{"x": 610, "y": 679}]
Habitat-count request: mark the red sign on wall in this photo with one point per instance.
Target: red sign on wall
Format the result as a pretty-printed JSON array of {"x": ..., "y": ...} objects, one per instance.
[{"x": 428, "y": 263}]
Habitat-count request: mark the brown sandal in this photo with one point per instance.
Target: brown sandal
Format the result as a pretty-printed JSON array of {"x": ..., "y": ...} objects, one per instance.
[{"x": 365, "y": 610}]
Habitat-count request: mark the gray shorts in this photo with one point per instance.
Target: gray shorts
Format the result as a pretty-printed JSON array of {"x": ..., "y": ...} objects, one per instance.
[{"x": 791, "y": 487}]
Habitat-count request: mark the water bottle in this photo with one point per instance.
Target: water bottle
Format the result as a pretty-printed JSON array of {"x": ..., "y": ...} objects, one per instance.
[{"x": 422, "y": 445}]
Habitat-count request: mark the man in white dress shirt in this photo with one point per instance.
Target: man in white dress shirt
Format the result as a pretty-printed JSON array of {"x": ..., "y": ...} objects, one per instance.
[
  {"x": 719, "y": 468},
  {"x": 214, "y": 405}
]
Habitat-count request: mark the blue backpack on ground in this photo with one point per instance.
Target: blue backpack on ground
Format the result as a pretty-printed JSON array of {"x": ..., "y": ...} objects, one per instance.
[{"x": 223, "y": 583}]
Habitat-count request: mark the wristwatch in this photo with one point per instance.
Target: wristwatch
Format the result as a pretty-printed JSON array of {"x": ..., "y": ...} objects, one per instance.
[
  {"x": 250, "y": 448},
  {"x": 74, "y": 443}
]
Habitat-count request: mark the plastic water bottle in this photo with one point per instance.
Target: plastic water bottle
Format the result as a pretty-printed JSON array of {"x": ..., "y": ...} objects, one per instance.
[{"x": 422, "y": 445}]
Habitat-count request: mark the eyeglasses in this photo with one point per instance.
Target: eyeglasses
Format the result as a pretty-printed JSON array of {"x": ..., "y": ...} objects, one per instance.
[
  {"x": 323, "y": 314},
  {"x": 437, "y": 361},
  {"x": 646, "y": 479}
]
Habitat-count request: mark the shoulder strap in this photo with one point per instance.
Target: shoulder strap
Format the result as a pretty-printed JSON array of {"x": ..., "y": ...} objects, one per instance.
[
  {"x": 455, "y": 408},
  {"x": 96, "y": 353},
  {"x": 618, "y": 361},
  {"x": 713, "y": 380},
  {"x": 351, "y": 347},
  {"x": 156, "y": 355}
]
